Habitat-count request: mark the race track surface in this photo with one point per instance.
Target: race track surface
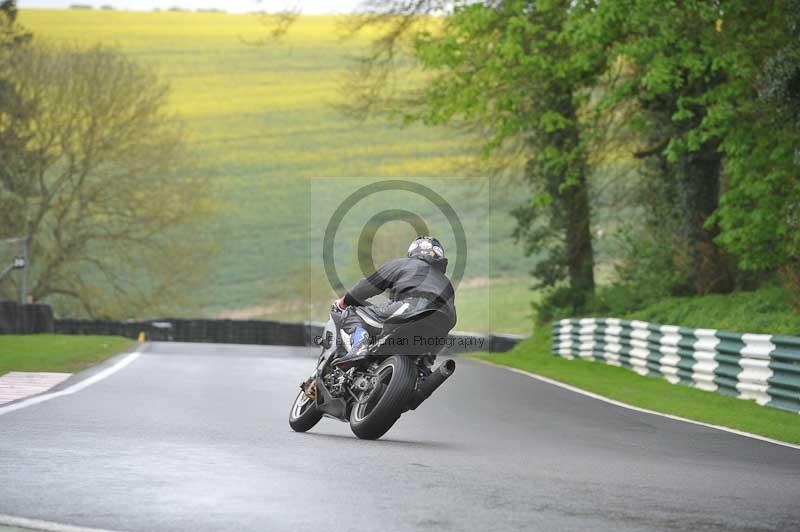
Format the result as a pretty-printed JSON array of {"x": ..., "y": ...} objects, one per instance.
[{"x": 195, "y": 437}]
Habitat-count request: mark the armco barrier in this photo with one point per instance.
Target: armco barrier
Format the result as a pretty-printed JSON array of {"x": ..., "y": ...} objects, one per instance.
[
  {"x": 192, "y": 330},
  {"x": 761, "y": 367},
  {"x": 25, "y": 319},
  {"x": 254, "y": 332}
]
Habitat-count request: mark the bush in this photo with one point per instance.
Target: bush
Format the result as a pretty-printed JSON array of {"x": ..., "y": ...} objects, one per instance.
[
  {"x": 620, "y": 299},
  {"x": 560, "y": 302},
  {"x": 766, "y": 311}
]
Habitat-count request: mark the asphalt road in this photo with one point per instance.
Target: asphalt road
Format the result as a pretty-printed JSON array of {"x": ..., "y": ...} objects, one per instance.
[{"x": 195, "y": 437}]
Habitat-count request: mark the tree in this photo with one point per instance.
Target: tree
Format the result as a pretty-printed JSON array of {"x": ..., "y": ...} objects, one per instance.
[
  {"x": 11, "y": 34},
  {"x": 757, "y": 114},
  {"x": 505, "y": 69},
  {"x": 663, "y": 51},
  {"x": 104, "y": 187},
  {"x": 692, "y": 68},
  {"x": 780, "y": 79},
  {"x": 13, "y": 143}
]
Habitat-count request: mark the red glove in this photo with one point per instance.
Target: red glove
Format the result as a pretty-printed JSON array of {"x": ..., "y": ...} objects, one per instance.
[{"x": 339, "y": 303}]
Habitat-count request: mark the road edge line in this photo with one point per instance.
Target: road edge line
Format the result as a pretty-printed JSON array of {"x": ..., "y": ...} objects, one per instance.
[
  {"x": 627, "y": 406},
  {"x": 47, "y": 526},
  {"x": 69, "y": 390}
]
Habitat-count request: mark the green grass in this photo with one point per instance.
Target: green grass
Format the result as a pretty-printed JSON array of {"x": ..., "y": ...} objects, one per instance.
[
  {"x": 499, "y": 306},
  {"x": 762, "y": 311},
  {"x": 59, "y": 353},
  {"x": 483, "y": 305}
]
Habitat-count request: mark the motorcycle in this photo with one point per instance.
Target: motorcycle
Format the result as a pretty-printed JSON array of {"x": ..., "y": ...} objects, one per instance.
[{"x": 397, "y": 376}]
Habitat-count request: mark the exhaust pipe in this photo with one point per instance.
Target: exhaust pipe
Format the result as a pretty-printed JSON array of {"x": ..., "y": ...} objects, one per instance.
[{"x": 434, "y": 380}]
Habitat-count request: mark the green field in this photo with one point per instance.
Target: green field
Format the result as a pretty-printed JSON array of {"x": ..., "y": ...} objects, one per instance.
[
  {"x": 500, "y": 305},
  {"x": 265, "y": 134},
  {"x": 52, "y": 352}
]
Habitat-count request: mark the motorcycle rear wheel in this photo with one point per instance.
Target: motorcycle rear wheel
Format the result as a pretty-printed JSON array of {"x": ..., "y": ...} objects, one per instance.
[
  {"x": 304, "y": 413},
  {"x": 375, "y": 414}
]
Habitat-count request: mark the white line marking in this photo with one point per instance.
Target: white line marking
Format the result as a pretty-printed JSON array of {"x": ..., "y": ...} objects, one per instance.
[
  {"x": 78, "y": 386},
  {"x": 636, "y": 408},
  {"x": 35, "y": 524}
]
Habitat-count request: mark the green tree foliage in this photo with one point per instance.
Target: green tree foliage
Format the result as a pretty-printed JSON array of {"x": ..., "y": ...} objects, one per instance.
[
  {"x": 103, "y": 185},
  {"x": 780, "y": 80},
  {"x": 692, "y": 69},
  {"x": 507, "y": 71},
  {"x": 508, "y": 66},
  {"x": 662, "y": 76},
  {"x": 760, "y": 210},
  {"x": 710, "y": 89}
]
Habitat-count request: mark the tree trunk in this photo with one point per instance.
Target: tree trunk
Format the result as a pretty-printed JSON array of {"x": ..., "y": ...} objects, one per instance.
[
  {"x": 580, "y": 255},
  {"x": 699, "y": 175}
]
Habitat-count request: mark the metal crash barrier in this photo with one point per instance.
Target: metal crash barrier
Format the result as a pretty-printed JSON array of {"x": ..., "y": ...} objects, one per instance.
[{"x": 761, "y": 367}]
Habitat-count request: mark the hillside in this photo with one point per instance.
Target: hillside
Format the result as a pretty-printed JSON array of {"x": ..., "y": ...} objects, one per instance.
[{"x": 262, "y": 125}]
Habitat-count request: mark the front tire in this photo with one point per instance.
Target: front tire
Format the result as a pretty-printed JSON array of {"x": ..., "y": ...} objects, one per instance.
[
  {"x": 376, "y": 413},
  {"x": 304, "y": 413}
]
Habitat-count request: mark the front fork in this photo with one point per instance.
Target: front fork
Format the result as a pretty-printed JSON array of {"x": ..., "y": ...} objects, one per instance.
[{"x": 309, "y": 387}]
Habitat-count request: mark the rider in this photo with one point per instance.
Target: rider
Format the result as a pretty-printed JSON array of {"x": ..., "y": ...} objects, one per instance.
[{"x": 415, "y": 284}]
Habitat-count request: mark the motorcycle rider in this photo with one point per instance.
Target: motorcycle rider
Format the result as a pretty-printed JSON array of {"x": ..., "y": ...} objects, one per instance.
[{"x": 416, "y": 284}]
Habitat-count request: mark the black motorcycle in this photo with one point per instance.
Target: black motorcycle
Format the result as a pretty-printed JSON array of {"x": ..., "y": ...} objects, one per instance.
[{"x": 396, "y": 376}]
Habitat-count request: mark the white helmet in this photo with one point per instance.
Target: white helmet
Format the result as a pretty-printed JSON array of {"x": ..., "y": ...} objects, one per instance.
[{"x": 426, "y": 246}]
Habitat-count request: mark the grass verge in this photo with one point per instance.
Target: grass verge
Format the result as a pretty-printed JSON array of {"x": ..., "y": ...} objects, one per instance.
[
  {"x": 652, "y": 393},
  {"x": 59, "y": 353}
]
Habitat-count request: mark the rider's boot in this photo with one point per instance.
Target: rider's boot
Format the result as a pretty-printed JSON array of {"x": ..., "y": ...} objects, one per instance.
[{"x": 358, "y": 351}]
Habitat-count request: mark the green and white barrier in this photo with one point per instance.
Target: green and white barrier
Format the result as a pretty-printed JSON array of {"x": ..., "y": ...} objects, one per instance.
[{"x": 762, "y": 367}]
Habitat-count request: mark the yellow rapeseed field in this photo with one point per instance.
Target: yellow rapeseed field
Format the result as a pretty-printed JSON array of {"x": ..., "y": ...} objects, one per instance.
[{"x": 261, "y": 120}]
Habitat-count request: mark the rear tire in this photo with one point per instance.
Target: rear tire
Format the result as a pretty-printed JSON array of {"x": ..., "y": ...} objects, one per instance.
[
  {"x": 304, "y": 413},
  {"x": 398, "y": 377}
]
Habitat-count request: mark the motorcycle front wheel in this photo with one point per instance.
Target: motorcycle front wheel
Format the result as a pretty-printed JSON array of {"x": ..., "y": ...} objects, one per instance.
[
  {"x": 376, "y": 411},
  {"x": 304, "y": 413}
]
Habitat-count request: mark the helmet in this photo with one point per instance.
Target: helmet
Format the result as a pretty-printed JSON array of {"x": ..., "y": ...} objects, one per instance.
[{"x": 426, "y": 247}]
